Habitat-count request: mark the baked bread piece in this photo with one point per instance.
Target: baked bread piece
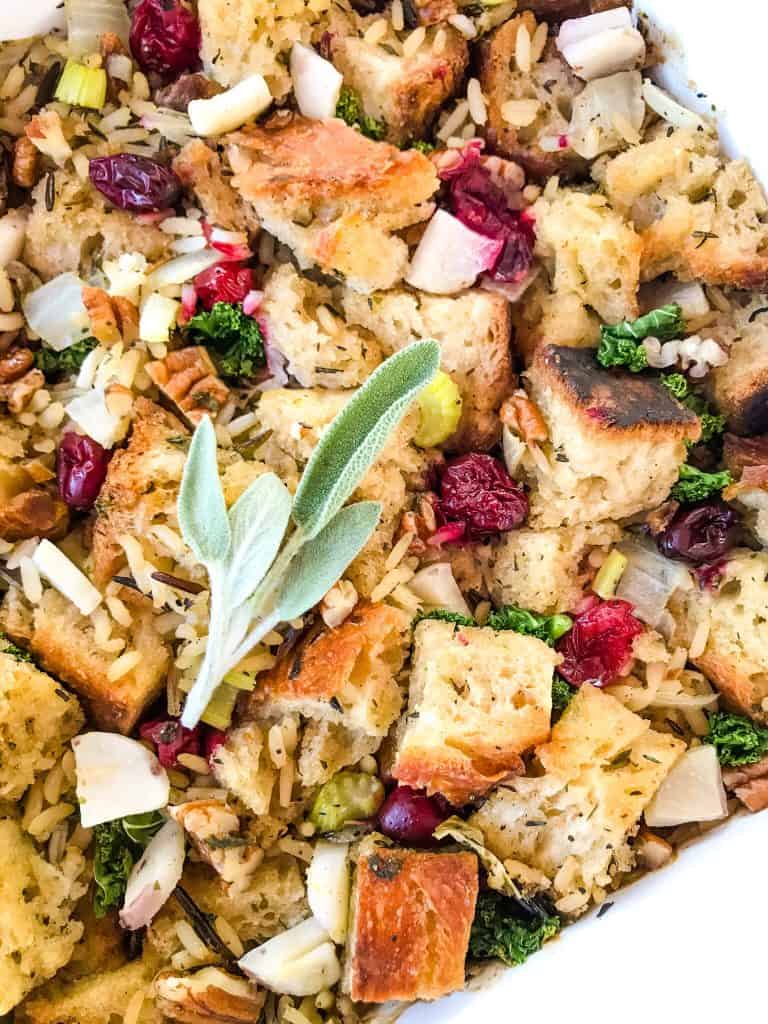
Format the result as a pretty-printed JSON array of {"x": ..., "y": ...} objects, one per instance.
[
  {"x": 411, "y": 916},
  {"x": 616, "y": 440},
  {"x": 739, "y": 388},
  {"x": 333, "y": 196},
  {"x": 550, "y": 82},
  {"x": 477, "y": 700},
  {"x": 559, "y": 10},
  {"x": 405, "y": 93},
  {"x": 546, "y": 570},
  {"x": 345, "y": 675},
  {"x": 602, "y": 766},
  {"x": 37, "y": 719},
  {"x": 92, "y": 999},
  {"x": 200, "y": 169},
  {"x": 473, "y": 329}
]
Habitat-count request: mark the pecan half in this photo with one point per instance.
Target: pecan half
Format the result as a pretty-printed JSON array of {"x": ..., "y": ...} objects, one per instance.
[
  {"x": 208, "y": 996},
  {"x": 188, "y": 378},
  {"x": 214, "y": 829},
  {"x": 35, "y": 513},
  {"x": 15, "y": 364},
  {"x": 25, "y": 168},
  {"x": 18, "y": 393}
]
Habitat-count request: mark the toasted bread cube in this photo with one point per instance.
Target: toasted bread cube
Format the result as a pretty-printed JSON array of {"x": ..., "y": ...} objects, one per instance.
[
  {"x": 92, "y": 999},
  {"x": 616, "y": 440},
  {"x": 37, "y": 719},
  {"x": 477, "y": 700},
  {"x": 243, "y": 766},
  {"x": 37, "y": 933},
  {"x": 199, "y": 168},
  {"x": 411, "y": 917},
  {"x": 473, "y": 330},
  {"x": 546, "y": 570},
  {"x": 327, "y": 747},
  {"x": 739, "y": 388},
  {"x": 333, "y": 196},
  {"x": 602, "y": 766},
  {"x": 320, "y": 349},
  {"x": 405, "y": 93},
  {"x": 550, "y": 84},
  {"x": 559, "y": 10},
  {"x": 345, "y": 676}
]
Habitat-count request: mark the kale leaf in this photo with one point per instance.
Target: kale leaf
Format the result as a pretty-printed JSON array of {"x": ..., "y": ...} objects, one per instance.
[
  {"x": 548, "y": 628},
  {"x": 117, "y": 846},
  {"x": 620, "y": 343},
  {"x": 350, "y": 110},
  {"x": 737, "y": 739},
  {"x": 712, "y": 423},
  {"x": 12, "y": 650},
  {"x": 443, "y": 615},
  {"x": 423, "y": 146},
  {"x": 66, "y": 363},
  {"x": 695, "y": 485},
  {"x": 235, "y": 339},
  {"x": 500, "y": 932},
  {"x": 562, "y": 695}
]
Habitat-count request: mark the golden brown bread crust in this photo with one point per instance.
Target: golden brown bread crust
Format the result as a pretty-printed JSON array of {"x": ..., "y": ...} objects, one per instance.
[
  {"x": 491, "y": 382},
  {"x": 35, "y": 513},
  {"x": 739, "y": 389},
  {"x": 559, "y": 10},
  {"x": 199, "y": 168},
  {"x": 737, "y": 687},
  {"x": 412, "y": 915}
]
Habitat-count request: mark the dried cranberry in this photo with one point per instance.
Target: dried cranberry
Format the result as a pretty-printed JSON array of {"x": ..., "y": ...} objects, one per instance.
[
  {"x": 171, "y": 738},
  {"x": 224, "y": 282},
  {"x": 212, "y": 740},
  {"x": 135, "y": 183},
  {"x": 701, "y": 533},
  {"x": 599, "y": 646},
  {"x": 165, "y": 37},
  {"x": 81, "y": 467},
  {"x": 410, "y": 817},
  {"x": 476, "y": 490}
]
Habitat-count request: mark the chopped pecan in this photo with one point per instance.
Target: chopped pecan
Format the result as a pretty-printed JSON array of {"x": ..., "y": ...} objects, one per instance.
[
  {"x": 188, "y": 378},
  {"x": 35, "y": 513},
  {"x": 179, "y": 94},
  {"x": 18, "y": 393},
  {"x": 127, "y": 316},
  {"x": 422, "y": 523},
  {"x": 658, "y": 519},
  {"x": 25, "y": 163},
  {"x": 111, "y": 43},
  {"x": 214, "y": 829},
  {"x": 208, "y": 996},
  {"x": 15, "y": 364},
  {"x": 750, "y": 784},
  {"x": 102, "y": 315},
  {"x": 522, "y": 416}
]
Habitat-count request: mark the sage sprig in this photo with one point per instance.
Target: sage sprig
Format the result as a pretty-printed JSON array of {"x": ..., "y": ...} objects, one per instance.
[{"x": 257, "y": 577}]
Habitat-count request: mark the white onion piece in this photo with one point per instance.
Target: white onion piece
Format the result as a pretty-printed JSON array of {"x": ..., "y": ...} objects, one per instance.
[
  {"x": 328, "y": 887},
  {"x": 670, "y": 110},
  {"x": 37, "y": 18},
  {"x": 13, "y": 228},
  {"x": 514, "y": 450},
  {"x": 89, "y": 20},
  {"x": 316, "y": 82},
  {"x": 299, "y": 962},
  {"x": 649, "y": 581},
  {"x": 182, "y": 269},
  {"x": 596, "y": 109},
  {"x": 688, "y": 295},
  {"x": 605, "y": 53},
  {"x": 116, "y": 776},
  {"x": 56, "y": 312},
  {"x": 450, "y": 256},
  {"x": 231, "y": 109},
  {"x": 437, "y": 588},
  {"x": 513, "y": 291},
  {"x": 574, "y": 30},
  {"x": 91, "y": 414},
  {"x": 693, "y": 791},
  {"x": 669, "y": 695},
  {"x": 154, "y": 877},
  {"x": 65, "y": 576}
]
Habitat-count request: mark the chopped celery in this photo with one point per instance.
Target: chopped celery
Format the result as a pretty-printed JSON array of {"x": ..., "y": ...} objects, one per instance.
[
  {"x": 610, "y": 573},
  {"x": 81, "y": 86},
  {"x": 218, "y": 713},
  {"x": 240, "y": 680},
  {"x": 440, "y": 408}
]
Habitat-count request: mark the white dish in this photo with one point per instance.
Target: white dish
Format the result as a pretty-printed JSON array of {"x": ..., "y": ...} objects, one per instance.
[{"x": 687, "y": 943}]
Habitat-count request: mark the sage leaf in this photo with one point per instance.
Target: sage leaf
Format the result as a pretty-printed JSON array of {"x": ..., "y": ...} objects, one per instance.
[
  {"x": 258, "y": 520},
  {"x": 351, "y": 443},
  {"x": 321, "y": 562},
  {"x": 201, "y": 508}
]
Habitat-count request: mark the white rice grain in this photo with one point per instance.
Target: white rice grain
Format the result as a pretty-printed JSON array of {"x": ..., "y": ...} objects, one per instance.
[
  {"x": 454, "y": 121},
  {"x": 414, "y": 41},
  {"x": 397, "y": 16},
  {"x": 700, "y": 638},
  {"x": 123, "y": 665},
  {"x": 191, "y": 941},
  {"x": 376, "y": 32},
  {"x": 523, "y": 50},
  {"x": 464, "y": 25},
  {"x": 229, "y": 936},
  {"x": 44, "y": 823},
  {"x": 12, "y": 83},
  {"x": 194, "y": 762},
  {"x": 538, "y": 42},
  {"x": 30, "y": 581},
  {"x": 477, "y": 108},
  {"x": 439, "y": 42},
  {"x": 133, "y": 1009}
]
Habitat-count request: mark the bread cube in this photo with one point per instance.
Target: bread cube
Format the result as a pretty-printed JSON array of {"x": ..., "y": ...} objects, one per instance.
[
  {"x": 739, "y": 388},
  {"x": 405, "y": 93},
  {"x": 602, "y": 766},
  {"x": 37, "y": 719},
  {"x": 345, "y": 675},
  {"x": 333, "y": 196},
  {"x": 200, "y": 170},
  {"x": 616, "y": 440},
  {"x": 559, "y": 10},
  {"x": 546, "y": 570},
  {"x": 320, "y": 349},
  {"x": 477, "y": 700},
  {"x": 243, "y": 766},
  {"x": 93, "y": 999},
  {"x": 411, "y": 916},
  {"x": 473, "y": 330},
  {"x": 37, "y": 933},
  {"x": 327, "y": 747}
]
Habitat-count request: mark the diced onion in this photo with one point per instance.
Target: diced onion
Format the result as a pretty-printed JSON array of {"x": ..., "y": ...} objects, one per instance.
[
  {"x": 154, "y": 877},
  {"x": 299, "y": 962},
  {"x": 514, "y": 450},
  {"x": 606, "y": 53},
  {"x": 599, "y": 107},
  {"x": 38, "y": 18},
  {"x": 91, "y": 413},
  {"x": 182, "y": 268},
  {"x": 158, "y": 318},
  {"x": 316, "y": 82},
  {"x": 65, "y": 576},
  {"x": 328, "y": 887},
  {"x": 231, "y": 109},
  {"x": 648, "y": 581},
  {"x": 693, "y": 791},
  {"x": 116, "y": 776},
  {"x": 89, "y": 20},
  {"x": 574, "y": 30},
  {"x": 436, "y": 587},
  {"x": 669, "y": 695},
  {"x": 56, "y": 312},
  {"x": 450, "y": 256},
  {"x": 688, "y": 295},
  {"x": 670, "y": 110}
]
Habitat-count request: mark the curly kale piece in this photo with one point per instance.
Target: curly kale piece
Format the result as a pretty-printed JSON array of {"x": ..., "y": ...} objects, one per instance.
[
  {"x": 548, "y": 628},
  {"x": 117, "y": 846},
  {"x": 620, "y": 344},
  {"x": 350, "y": 110},
  {"x": 235, "y": 340},
  {"x": 562, "y": 695},
  {"x": 737, "y": 740},
  {"x": 13, "y": 651},
  {"x": 500, "y": 932},
  {"x": 443, "y": 615},
  {"x": 696, "y": 485},
  {"x": 56, "y": 365},
  {"x": 712, "y": 423},
  {"x": 423, "y": 146}
]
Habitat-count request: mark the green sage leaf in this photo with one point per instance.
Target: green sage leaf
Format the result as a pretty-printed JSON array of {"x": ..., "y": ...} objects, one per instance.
[
  {"x": 321, "y": 562},
  {"x": 258, "y": 520},
  {"x": 351, "y": 443},
  {"x": 201, "y": 508}
]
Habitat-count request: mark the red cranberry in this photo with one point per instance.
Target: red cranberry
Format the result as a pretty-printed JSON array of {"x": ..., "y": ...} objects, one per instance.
[
  {"x": 599, "y": 646},
  {"x": 476, "y": 490},
  {"x": 81, "y": 468},
  {"x": 224, "y": 282},
  {"x": 135, "y": 183},
  {"x": 171, "y": 739},
  {"x": 165, "y": 38},
  {"x": 212, "y": 740},
  {"x": 700, "y": 533},
  {"x": 410, "y": 817}
]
